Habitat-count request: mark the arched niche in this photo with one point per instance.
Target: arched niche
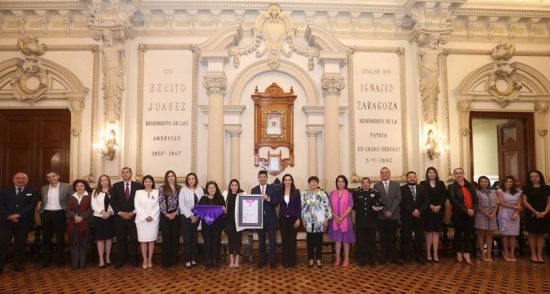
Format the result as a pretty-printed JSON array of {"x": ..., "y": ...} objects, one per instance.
[
  {"x": 534, "y": 96},
  {"x": 62, "y": 86},
  {"x": 259, "y": 67}
]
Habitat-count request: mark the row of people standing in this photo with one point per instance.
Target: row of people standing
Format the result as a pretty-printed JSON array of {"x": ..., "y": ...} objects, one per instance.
[{"x": 133, "y": 211}]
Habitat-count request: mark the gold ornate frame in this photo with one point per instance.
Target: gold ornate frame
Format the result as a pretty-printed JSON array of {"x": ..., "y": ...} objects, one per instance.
[{"x": 273, "y": 121}]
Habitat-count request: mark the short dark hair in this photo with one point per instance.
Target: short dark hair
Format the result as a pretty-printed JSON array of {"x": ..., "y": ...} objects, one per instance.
[
  {"x": 52, "y": 171},
  {"x": 85, "y": 183},
  {"x": 313, "y": 178},
  {"x": 483, "y": 178},
  {"x": 262, "y": 172},
  {"x": 127, "y": 168},
  {"x": 343, "y": 178},
  {"x": 150, "y": 177},
  {"x": 410, "y": 172}
]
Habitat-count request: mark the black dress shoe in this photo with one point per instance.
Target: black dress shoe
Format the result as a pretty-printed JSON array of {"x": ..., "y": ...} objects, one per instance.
[
  {"x": 118, "y": 265},
  {"x": 261, "y": 264},
  {"x": 398, "y": 261},
  {"x": 46, "y": 264},
  {"x": 273, "y": 265},
  {"x": 18, "y": 268},
  {"x": 420, "y": 261}
]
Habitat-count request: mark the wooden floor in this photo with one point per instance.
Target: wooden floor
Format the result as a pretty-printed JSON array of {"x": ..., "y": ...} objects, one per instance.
[{"x": 444, "y": 277}]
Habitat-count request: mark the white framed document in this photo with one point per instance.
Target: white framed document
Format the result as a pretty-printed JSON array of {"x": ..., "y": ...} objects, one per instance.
[{"x": 249, "y": 212}]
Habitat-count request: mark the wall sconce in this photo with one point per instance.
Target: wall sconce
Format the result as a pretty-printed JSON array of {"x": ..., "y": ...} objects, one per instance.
[
  {"x": 107, "y": 146},
  {"x": 435, "y": 145}
]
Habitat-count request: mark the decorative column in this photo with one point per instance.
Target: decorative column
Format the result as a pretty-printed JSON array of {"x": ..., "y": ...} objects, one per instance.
[
  {"x": 332, "y": 84},
  {"x": 541, "y": 127},
  {"x": 76, "y": 107},
  {"x": 112, "y": 25},
  {"x": 464, "y": 107},
  {"x": 433, "y": 26},
  {"x": 312, "y": 151},
  {"x": 235, "y": 152},
  {"x": 215, "y": 84}
]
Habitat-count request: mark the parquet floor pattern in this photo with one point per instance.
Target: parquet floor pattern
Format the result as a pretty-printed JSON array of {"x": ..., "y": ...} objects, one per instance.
[{"x": 444, "y": 277}]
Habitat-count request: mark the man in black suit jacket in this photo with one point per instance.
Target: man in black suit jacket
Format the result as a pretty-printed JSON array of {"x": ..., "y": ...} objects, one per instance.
[
  {"x": 414, "y": 203},
  {"x": 271, "y": 200},
  {"x": 122, "y": 202},
  {"x": 17, "y": 205}
]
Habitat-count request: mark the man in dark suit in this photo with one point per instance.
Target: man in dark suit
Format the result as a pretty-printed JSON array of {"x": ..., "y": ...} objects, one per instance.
[
  {"x": 414, "y": 203},
  {"x": 55, "y": 197},
  {"x": 17, "y": 205},
  {"x": 271, "y": 200},
  {"x": 122, "y": 202},
  {"x": 389, "y": 218}
]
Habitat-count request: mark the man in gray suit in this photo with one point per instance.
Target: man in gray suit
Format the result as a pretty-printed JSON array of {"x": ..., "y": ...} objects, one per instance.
[
  {"x": 53, "y": 204},
  {"x": 390, "y": 193}
]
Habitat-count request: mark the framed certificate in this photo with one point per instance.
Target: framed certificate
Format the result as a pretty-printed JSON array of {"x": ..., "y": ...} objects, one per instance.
[{"x": 249, "y": 212}]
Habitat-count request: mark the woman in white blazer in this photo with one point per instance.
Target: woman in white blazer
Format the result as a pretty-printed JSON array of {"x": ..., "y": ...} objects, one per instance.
[
  {"x": 147, "y": 207},
  {"x": 189, "y": 196}
]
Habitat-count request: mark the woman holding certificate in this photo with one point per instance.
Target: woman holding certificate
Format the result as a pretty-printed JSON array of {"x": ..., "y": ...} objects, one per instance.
[
  {"x": 234, "y": 238},
  {"x": 212, "y": 223},
  {"x": 316, "y": 213},
  {"x": 146, "y": 203}
]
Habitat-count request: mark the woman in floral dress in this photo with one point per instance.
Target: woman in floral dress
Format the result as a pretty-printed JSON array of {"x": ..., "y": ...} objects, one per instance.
[{"x": 316, "y": 213}]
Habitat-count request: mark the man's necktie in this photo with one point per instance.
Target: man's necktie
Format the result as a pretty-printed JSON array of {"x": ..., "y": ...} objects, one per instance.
[
  {"x": 263, "y": 190},
  {"x": 19, "y": 190},
  {"x": 127, "y": 192},
  {"x": 386, "y": 187},
  {"x": 413, "y": 191}
]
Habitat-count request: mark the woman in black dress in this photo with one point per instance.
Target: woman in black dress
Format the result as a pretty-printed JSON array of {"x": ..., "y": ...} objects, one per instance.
[
  {"x": 234, "y": 238},
  {"x": 211, "y": 234},
  {"x": 536, "y": 199},
  {"x": 437, "y": 193},
  {"x": 103, "y": 222}
]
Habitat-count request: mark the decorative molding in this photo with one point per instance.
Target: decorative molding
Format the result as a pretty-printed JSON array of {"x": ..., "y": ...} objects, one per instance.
[
  {"x": 274, "y": 27},
  {"x": 541, "y": 115},
  {"x": 464, "y": 117},
  {"x": 30, "y": 82},
  {"x": 446, "y": 119},
  {"x": 504, "y": 82},
  {"x": 215, "y": 83},
  {"x": 345, "y": 19},
  {"x": 332, "y": 84}
]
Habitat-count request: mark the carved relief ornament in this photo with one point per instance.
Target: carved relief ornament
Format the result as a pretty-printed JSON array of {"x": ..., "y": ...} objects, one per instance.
[
  {"x": 332, "y": 84},
  {"x": 30, "y": 81},
  {"x": 274, "y": 27},
  {"x": 504, "y": 83}
]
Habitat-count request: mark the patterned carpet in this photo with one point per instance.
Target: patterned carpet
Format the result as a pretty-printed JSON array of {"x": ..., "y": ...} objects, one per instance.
[{"x": 444, "y": 277}]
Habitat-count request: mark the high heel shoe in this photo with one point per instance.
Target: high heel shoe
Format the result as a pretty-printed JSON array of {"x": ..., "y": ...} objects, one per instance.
[
  {"x": 337, "y": 263},
  {"x": 345, "y": 264}
]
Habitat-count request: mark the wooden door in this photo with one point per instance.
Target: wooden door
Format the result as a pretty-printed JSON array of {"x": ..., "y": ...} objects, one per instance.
[
  {"x": 512, "y": 151},
  {"x": 34, "y": 141}
]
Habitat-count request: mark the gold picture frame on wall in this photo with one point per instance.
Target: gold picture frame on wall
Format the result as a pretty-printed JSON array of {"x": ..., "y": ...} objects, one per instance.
[{"x": 273, "y": 121}]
